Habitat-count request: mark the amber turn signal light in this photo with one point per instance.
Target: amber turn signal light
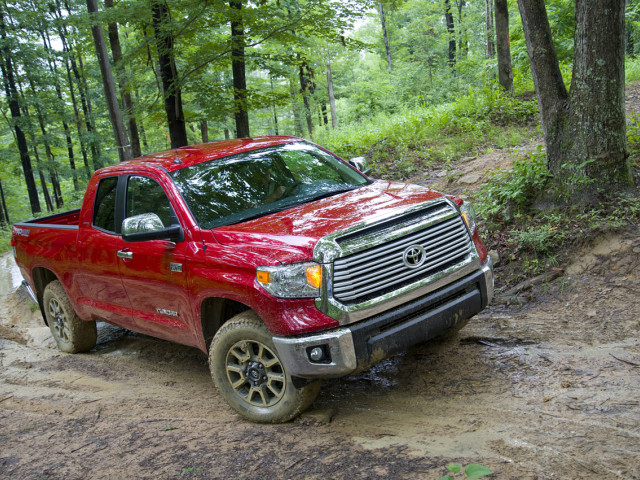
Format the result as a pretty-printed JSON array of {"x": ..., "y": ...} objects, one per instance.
[
  {"x": 263, "y": 277},
  {"x": 314, "y": 276}
]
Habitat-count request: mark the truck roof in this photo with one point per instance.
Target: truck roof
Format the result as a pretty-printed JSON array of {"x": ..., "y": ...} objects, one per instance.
[{"x": 171, "y": 160}]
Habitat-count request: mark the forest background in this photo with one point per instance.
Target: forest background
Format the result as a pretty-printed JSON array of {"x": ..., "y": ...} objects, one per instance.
[{"x": 410, "y": 84}]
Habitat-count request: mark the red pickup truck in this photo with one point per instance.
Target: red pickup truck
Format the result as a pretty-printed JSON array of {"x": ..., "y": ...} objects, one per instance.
[{"x": 276, "y": 258}]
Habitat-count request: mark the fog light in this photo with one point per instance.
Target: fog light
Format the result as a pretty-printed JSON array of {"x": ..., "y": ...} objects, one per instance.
[{"x": 316, "y": 354}]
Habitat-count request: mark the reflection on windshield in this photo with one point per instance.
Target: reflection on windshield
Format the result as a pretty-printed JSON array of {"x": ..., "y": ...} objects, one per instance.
[{"x": 252, "y": 184}]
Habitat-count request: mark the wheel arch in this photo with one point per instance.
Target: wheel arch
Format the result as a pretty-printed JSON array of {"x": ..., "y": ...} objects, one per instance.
[
  {"x": 41, "y": 278},
  {"x": 214, "y": 312}
]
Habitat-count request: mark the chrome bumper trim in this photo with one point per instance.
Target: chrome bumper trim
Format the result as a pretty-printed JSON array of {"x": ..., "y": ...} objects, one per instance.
[{"x": 293, "y": 353}]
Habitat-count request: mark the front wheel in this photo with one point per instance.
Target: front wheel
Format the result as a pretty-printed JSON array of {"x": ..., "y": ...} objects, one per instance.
[
  {"x": 248, "y": 373},
  {"x": 71, "y": 334}
]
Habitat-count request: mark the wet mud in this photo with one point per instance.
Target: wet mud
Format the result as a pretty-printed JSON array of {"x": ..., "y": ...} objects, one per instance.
[{"x": 544, "y": 390}]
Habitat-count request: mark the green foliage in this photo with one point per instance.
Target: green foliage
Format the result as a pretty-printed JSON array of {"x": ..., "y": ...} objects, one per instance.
[
  {"x": 471, "y": 471},
  {"x": 510, "y": 192}
]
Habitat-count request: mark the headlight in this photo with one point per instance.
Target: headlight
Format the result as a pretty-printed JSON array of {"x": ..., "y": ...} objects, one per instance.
[
  {"x": 299, "y": 280},
  {"x": 469, "y": 216}
]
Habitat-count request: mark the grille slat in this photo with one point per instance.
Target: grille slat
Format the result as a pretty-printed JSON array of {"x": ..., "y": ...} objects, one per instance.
[
  {"x": 398, "y": 269},
  {"x": 399, "y": 243},
  {"x": 341, "y": 272},
  {"x": 381, "y": 269}
]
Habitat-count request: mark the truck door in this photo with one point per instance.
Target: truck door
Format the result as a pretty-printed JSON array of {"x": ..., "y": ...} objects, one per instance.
[
  {"x": 102, "y": 294},
  {"x": 153, "y": 272}
]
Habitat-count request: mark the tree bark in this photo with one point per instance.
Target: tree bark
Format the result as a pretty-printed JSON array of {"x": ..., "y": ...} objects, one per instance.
[
  {"x": 115, "y": 115},
  {"x": 307, "y": 87},
  {"x": 450, "y": 32},
  {"x": 125, "y": 95},
  {"x": 204, "y": 131},
  {"x": 505, "y": 73},
  {"x": 463, "y": 44},
  {"x": 332, "y": 98},
  {"x": 238, "y": 69},
  {"x": 5, "y": 212},
  {"x": 275, "y": 113},
  {"x": 491, "y": 47},
  {"x": 14, "y": 106},
  {"x": 169, "y": 74},
  {"x": 384, "y": 34},
  {"x": 585, "y": 131}
]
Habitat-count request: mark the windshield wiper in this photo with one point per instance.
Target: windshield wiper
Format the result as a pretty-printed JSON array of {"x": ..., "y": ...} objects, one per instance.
[{"x": 326, "y": 194}]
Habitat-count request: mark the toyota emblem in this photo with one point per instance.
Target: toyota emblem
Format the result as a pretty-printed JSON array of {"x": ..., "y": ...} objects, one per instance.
[{"x": 414, "y": 256}]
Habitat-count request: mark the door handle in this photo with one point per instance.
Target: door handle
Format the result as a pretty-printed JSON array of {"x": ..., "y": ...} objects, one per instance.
[{"x": 124, "y": 254}]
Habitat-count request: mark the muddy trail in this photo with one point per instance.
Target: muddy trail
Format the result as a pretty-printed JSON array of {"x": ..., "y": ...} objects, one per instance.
[{"x": 544, "y": 390}]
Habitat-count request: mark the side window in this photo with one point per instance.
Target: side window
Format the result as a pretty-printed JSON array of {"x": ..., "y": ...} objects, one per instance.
[
  {"x": 145, "y": 195},
  {"x": 104, "y": 210}
]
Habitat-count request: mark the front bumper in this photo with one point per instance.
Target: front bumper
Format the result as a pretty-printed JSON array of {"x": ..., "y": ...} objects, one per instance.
[{"x": 362, "y": 344}]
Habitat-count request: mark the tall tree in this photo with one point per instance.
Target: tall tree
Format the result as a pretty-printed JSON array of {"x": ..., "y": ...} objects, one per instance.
[
  {"x": 238, "y": 67},
  {"x": 4, "y": 212},
  {"x": 8, "y": 74},
  {"x": 584, "y": 129},
  {"x": 169, "y": 74},
  {"x": 332, "y": 98},
  {"x": 491, "y": 46},
  {"x": 115, "y": 115},
  {"x": 505, "y": 73},
  {"x": 384, "y": 34},
  {"x": 451, "y": 32},
  {"x": 125, "y": 94}
]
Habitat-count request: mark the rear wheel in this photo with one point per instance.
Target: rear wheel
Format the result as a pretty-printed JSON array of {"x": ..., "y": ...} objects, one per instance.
[
  {"x": 250, "y": 376},
  {"x": 71, "y": 334}
]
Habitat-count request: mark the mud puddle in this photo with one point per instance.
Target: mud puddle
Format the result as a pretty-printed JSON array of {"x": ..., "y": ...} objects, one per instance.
[{"x": 544, "y": 390}]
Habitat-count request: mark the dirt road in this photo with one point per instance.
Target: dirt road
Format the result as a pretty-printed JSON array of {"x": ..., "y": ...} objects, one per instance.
[{"x": 544, "y": 390}]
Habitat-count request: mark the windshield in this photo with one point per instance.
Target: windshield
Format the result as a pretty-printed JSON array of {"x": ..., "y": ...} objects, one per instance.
[{"x": 259, "y": 182}]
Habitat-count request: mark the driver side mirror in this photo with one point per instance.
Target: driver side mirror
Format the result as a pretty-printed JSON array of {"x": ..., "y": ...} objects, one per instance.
[
  {"x": 148, "y": 226},
  {"x": 361, "y": 164}
]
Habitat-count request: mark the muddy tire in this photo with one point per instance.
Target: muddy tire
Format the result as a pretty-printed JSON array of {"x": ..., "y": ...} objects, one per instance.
[
  {"x": 71, "y": 334},
  {"x": 248, "y": 373}
]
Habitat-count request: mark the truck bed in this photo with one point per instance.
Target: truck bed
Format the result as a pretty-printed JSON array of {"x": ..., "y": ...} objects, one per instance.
[{"x": 68, "y": 219}]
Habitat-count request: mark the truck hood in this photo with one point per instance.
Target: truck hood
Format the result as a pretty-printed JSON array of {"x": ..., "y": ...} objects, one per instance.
[{"x": 291, "y": 235}]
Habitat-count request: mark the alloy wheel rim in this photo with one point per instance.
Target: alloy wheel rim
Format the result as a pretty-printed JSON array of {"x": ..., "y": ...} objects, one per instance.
[{"x": 255, "y": 373}]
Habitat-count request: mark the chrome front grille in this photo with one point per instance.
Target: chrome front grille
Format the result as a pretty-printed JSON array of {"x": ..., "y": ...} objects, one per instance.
[{"x": 380, "y": 269}]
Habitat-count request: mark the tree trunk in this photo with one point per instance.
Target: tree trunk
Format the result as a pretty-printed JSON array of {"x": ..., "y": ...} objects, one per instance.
[
  {"x": 463, "y": 44},
  {"x": 450, "y": 32},
  {"x": 238, "y": 68},
  {"x": 585, "y": 130},
  {"x": 273, "y": 105},
  {"x": 115, "y": 116},
  {"x": 505, "y": 74},
  {"x": 204, "y": 131},
  {"x": 491, "y": 47},
  {"x": 384, "y": 34},
  {"x": 125, "y": 95},
  {"x": 4, "y": 219},
  {"x": 332, "y": 98},
  {"x": 169, "y": 74},
  {"x": 306, "y": 88},
  {"x": 14, "y": 106},
  {"x": 297, "y": 121}
]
